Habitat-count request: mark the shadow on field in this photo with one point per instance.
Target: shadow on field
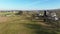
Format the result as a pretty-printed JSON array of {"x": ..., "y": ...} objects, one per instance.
[{"x": 38, "y": 29}]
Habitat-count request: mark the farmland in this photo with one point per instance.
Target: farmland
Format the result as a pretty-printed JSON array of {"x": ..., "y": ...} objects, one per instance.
[{"x": 20, "y": 24}]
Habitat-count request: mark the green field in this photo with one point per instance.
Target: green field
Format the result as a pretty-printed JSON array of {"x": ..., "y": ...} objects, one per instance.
[{"x": 22, "y": 25}]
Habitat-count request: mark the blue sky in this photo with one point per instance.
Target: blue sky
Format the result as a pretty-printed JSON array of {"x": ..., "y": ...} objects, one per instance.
[{"x": 29, "y": 4}]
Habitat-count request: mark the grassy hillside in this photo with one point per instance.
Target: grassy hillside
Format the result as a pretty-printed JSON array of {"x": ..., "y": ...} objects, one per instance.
[{"x": 22, "y": 25}]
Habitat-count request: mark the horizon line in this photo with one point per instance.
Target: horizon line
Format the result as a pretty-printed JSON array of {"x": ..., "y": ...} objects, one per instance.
[{"x": 30, "y": 9}]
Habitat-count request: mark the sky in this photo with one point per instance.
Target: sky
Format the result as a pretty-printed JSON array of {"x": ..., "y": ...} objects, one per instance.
[{"x": 29, "y": 4}]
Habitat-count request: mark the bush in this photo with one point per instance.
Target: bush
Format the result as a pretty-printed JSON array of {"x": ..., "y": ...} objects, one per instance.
[{"x": 19, "y": 13}]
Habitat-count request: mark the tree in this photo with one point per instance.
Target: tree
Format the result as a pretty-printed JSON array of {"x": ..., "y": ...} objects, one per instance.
[{"x": 19, "y": 13}]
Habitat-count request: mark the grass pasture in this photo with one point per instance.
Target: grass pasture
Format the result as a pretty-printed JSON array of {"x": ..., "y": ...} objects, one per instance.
[{"x": 21, "y": 25}]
